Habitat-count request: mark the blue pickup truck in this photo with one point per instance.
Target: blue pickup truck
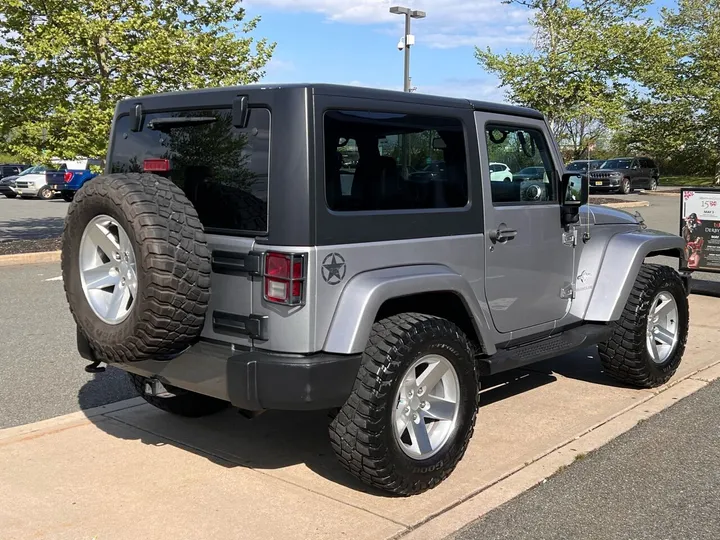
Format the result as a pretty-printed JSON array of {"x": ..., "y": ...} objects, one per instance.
[{"x": 71, "y": 175}]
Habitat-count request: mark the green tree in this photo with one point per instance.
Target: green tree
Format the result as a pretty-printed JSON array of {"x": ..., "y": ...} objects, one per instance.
[
  {"x": 677, "y": 114},
  {"x": 64, "y": 64},
  {"x": 577, "y": 74}
]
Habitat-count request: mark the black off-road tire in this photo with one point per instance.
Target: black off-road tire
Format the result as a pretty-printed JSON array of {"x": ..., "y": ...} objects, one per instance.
[
  {"x": 173, "y": 267},
  {"x": 361, "y": 433},
  {"x": 625, "y": 356},
  {"x": 625, "y": 186},
  {"x": 181, "y": 402}
]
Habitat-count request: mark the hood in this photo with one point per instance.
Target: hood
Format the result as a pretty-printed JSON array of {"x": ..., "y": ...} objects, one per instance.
[{"x": 602, "y": 215}]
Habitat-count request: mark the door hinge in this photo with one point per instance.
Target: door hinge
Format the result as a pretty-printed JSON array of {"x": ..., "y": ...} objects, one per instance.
[
  {"x": 567, "y": 291},
  {"x": 569, "y": 238}
]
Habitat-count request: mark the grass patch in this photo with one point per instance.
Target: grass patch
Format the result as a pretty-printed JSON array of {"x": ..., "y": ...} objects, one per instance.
[{"x": 695, "y": 181}]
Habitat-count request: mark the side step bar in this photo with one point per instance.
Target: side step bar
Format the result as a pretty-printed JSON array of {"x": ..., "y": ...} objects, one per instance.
[{"x": 549, "y": 347}]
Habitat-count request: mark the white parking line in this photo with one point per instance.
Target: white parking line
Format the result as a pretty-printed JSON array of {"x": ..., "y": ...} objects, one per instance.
[{"x": 59, "y": 278}]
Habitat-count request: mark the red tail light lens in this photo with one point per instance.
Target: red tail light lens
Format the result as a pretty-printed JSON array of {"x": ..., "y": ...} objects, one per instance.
[
  {"x": 156, "y": 165},
  {"x": 284, "y": 278},
  {"x": 68, "y": 176}
]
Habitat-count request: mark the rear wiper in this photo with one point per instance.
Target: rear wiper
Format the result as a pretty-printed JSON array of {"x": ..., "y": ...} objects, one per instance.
[{"x": 164, "y": 124}]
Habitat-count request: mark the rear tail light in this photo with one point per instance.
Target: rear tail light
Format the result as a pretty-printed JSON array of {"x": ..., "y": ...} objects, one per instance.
[
  {"x": 156, "y": 165},
  {"x": 284, "y": 278},
  {"x": 68, "y": 176}
]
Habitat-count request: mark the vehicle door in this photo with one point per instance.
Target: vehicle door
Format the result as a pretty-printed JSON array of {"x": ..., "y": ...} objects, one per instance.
[
  {"x": 647, "y": 171},
  {"x": 528, "y": 268},
  {"x": 637, "y": 178}
]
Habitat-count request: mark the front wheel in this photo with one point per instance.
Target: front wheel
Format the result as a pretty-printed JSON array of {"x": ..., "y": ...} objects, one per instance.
[
  {"x": 648, "y": 341},
  {"x": 45, "y": 193},
  {"x": 178, "y": 401},
  {"x": 11, "y": 195},
  {"x": 625, "y": 186},
  {"x": 412, "y": 410}
]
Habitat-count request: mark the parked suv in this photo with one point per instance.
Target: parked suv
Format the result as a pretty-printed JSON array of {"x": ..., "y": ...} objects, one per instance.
[
  {"x": 625, "y": 174},
  {"x": 219, "y": 261}
]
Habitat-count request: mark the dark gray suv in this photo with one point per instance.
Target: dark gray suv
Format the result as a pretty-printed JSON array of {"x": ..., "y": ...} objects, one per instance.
[{"x": 625, "y": 174}]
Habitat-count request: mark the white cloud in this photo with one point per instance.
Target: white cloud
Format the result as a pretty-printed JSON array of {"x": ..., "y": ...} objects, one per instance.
[{"x": 449, "y": 23}]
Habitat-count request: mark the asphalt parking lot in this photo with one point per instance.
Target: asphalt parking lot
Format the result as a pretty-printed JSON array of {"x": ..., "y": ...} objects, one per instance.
[{"x": 26, "y": 219}]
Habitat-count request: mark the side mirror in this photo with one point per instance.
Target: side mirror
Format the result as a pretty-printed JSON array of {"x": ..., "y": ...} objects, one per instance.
[{"x": 576, "y": 192}]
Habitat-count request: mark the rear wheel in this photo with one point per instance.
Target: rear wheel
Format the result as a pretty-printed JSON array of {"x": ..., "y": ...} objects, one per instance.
[
  {"x": 653, "y": 184},
  {"x": 10, "y": 195},
  {"x": 67, "y": 196},
  {"x": 412, "y": 411},
  {"x": 648, "y": 340},
  {"x": 178, "y": 401},
  {"x": 45, "y": 193}
]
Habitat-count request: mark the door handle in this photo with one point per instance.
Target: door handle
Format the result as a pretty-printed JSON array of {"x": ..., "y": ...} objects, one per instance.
[{"x": 502, "y": 234}]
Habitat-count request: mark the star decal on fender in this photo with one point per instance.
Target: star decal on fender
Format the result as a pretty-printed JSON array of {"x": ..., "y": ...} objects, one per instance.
[{"x": 333, "y": 268}]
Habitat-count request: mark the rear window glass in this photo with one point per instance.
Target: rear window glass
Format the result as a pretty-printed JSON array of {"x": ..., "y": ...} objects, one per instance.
[{"x": 223, "y": 170}]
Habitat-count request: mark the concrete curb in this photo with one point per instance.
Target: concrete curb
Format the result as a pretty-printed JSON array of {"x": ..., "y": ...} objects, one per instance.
[
  {"x": 61, "y": 423},
  {"x": 30, "y": 258},
  {"x": 629, "y": 204},
  {"x": 450, "y": 521}
]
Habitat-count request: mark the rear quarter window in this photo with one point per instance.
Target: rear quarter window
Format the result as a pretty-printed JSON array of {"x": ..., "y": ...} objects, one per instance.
[{"x": 223, "y": 170}]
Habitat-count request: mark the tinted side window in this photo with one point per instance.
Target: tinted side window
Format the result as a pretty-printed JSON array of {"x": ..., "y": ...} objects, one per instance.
[
  {"x": 525, "y": 151},
  {"x": 393, "y": 161},
  {"x": 223, "y": 170}
]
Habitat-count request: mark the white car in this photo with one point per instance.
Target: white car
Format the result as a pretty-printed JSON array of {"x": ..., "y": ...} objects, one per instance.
[
  {"x": 31, "y": 183},
  {"x": 499, "y": 172}
]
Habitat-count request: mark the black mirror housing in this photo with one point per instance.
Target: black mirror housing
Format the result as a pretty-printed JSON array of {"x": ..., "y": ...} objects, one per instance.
[{"x": 575, "y": 191}]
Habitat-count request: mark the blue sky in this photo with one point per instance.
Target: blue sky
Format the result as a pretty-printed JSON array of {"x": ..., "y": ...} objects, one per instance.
[{"x": 355, "y": 42}]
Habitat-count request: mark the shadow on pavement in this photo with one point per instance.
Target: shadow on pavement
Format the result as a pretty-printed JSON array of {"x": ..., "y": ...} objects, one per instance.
[
  {"x": 582, "y": 365},
  {"x": 272, "y": 440},
  {"x": 31, "y": 228}
]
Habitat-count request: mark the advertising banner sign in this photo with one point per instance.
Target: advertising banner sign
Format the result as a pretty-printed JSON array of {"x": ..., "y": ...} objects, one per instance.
[{"x": 700, "y": 227}]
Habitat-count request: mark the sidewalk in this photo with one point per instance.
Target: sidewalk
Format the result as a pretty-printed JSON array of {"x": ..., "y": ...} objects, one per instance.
[
  {"x": 659, "y": 480},
  {"x": 128, "y": 471}
]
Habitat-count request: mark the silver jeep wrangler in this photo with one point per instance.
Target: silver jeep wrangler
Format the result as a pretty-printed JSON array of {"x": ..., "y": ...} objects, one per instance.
[{"x": 327, "y": 247}]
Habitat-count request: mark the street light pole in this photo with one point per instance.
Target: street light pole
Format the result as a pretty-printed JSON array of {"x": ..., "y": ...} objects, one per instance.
[{"x": 408, "y": 40}]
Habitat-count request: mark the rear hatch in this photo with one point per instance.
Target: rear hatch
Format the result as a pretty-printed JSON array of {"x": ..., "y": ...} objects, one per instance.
[{"x": 224, "y": 172}]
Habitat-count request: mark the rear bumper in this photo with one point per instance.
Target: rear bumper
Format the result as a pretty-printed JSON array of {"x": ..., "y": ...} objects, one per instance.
[{"x": 253, "y": 380}]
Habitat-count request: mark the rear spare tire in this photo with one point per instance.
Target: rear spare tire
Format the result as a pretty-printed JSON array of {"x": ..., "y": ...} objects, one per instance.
[{"x": 136, "y": 267}]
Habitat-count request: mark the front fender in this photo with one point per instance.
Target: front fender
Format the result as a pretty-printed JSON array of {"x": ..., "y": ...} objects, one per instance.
[
  {"x": 365, "y": 293},
  {"x": 624, "y": 255}
]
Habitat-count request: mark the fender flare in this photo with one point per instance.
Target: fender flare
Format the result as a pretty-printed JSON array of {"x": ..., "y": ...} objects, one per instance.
[
  {"x": 623, "y": 257},
  {"x": 365, "y": 293}
]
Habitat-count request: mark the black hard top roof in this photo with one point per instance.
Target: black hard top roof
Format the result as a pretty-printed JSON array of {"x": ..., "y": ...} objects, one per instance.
[{"x": 370, "y": 93}]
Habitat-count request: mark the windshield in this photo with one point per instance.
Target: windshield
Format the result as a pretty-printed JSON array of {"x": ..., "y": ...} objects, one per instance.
[
  {"x": 37, "y": 169},
  {"x": 617, "y": 164},
  {"x": 583, "y": 165}
]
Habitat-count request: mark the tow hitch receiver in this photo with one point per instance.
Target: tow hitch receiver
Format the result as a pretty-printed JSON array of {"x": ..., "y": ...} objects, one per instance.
[{"x": 153, "y": 387}]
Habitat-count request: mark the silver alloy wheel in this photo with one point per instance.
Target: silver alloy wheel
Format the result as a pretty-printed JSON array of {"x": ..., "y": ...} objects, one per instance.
[
  {"x": 662, "y": 327},
  {"x": 108, "y": 271},
  {"x": 653, "y": 185},
  {"x": 427, "y": 404}
]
